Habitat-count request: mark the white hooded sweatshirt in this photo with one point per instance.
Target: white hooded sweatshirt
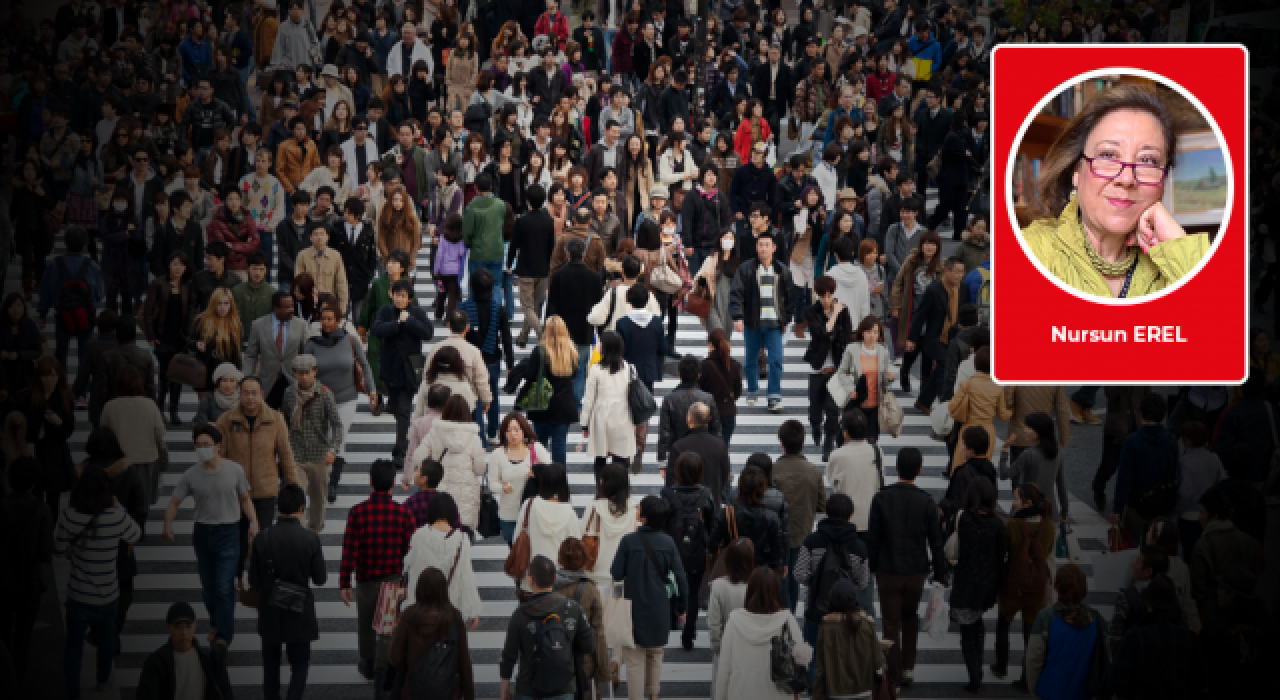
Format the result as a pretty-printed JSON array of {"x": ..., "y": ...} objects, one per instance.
[
  {"x": 611, "y": 529},
  {"x": 743, "y": 668},
  {"x": 431, "y": 548},
  {"x": 852, "y": 290},
  {"x": 550, "y": 524}
]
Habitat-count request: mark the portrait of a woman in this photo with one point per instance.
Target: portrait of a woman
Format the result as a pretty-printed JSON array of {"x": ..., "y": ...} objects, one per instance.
[{"x": 1101, "y": 227}]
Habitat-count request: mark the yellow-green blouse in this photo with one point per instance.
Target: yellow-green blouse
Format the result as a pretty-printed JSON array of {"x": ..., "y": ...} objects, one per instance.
[{"x": 1059, "y": 245}]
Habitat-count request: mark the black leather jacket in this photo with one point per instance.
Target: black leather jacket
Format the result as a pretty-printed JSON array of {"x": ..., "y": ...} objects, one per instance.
[{"x": 760, "y": 524}]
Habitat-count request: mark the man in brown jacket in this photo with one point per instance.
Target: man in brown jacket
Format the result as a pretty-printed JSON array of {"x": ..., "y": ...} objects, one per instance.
[
  {"x": 325, "y": 266},
  {"x": 802, "y": 485},
  {"x": 1025, "y": 400},
  {"x": 580, "y": 229},
  {"x": 296, "y": 157},
  {"x": 256, "y": 437}
]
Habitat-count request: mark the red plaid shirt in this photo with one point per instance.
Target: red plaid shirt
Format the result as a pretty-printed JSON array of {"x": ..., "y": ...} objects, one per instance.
[{"x": 376, "y": 541}]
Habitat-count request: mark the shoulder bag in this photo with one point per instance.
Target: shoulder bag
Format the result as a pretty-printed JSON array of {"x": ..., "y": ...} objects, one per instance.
[
  {"x": 665, "y": 278},
  {"x": 362, "y": 387},
  {"x": 285, "y": 595},
  {"x": 698, "y": 302},
  {"x": 891, "y": 415},
  {"x": 489, "y": 524},
  {"x": 591, "y": 543},
  {"x": 518, "y": 558},
  {"x": 187, "y": 369},
  {"x": 640, "y": 400},
  {"x": 538, "y": 398}
]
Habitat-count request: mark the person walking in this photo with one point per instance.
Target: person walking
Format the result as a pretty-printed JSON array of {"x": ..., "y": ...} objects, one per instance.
[
  {"x": 48, "y": 407},
  {"x": 374, "y": 546},
  {"x": 181, "y": 667},
  {"x": 226, "y": 382},
  {"x": 760, "y": 302},
  {"x": 274, "y": 340},
  {"x": 396, "y": 265},
  {"x": 802, "y": 485},
  {"x": 573, "y": 582},
  {"x": 556, "y": 359},
  {"x": 689, "y": 525},
  {"x": 457, "y": 364},
  {"x": 721, "y": 376},
  {"x": 717, "y": 475},
  {"x": 673, "y": 423},
  {"x": 1041, "y": 462},
  {"x": 222, "y": 495},
  {"x": 978, "y": 402},
  {"x": 315, "y": 434},
  {"x": 440, "y": 545},
  {"x": 485, "y": 224},
  {"x": 609, "y": 517},
  {"x": 866, "y": 363},
  {"x": 1148, "y": 460},
  {"x": 982, "y": 545},
  {"x": 727, "y": 595},
  {"x": 902, "y": 526},
  {"x": 454, "y": 443},
  {"x": 648, "y": 566},
  {"x": 746, "y": 647},
  {"x": 166, "y": 321},
  {"x": 519, "y": 461},
  {"x": 343, "y": 367},
  {"x": 1068, "y": 642},
  {"x": 606, "y": 422},
  {"x": 488, "y": 329},
  {"x": 532, "y": 242},
  {"x": 645, "y": 349},
  {"x": 403, "y": 329},
  {"x": 748, "y": 516},
  {"x": 848, "y": 657},
  {"x": 139, "y": 427},
  {"x": 554, "y": 676},
  {"x": 549, "y": 517},
  {"x": 571, "y": 294},
  {"x": 288, "y": 553},
  {"x": 430, "y": 620},
  {"x": 89, "y": 533},
  {"x": 831, "y": 553},
  {"x": 831, "y": 327},
  {"x": 1031, "y": 536}
]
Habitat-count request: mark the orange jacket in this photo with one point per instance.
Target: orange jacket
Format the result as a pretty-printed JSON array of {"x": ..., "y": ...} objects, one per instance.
[{"x": 294, "y": 163}]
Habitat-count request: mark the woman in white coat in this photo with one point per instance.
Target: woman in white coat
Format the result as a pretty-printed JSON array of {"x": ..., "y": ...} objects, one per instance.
[
  {"x": 512, "y": 465},
  {"x": 611, "y": 515},
  {"x": 743, "y": 670},
  {"x": 865, "y": 356},
  {"x": 454, "y": 442},
  {"x": 606, "y": 415},
  {"x": 728, "y": 594},
  {"x": 549, "y": 517},
  {"x": 438, "y": 545}
]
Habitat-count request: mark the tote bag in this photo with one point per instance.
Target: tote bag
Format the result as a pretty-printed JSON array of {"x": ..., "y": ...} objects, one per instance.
[
  {"x": 890, "y": 413},
  {"x": 617, "y": 619}
]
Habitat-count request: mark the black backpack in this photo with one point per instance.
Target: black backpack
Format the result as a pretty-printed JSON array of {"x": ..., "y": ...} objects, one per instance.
[
  {"x": 75, "y": 303},
  {"x": 833, "y": 567},
  {"x": 436, "y": 673},
  {"x": 553, "y": 662},
  {"x": 687, "y": 528}
]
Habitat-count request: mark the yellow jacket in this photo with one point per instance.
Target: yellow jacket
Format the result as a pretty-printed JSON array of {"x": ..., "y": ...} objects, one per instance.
[
  {"x": 328, "y": 271},
  {"x": 1059, "y": 245}
]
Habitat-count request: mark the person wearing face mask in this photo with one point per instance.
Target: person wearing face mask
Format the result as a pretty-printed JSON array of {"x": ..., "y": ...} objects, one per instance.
[{"x": 221, "y": 493}]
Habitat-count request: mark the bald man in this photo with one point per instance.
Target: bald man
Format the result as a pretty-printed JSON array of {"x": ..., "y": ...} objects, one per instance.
[{"x": 715, "y": 454}]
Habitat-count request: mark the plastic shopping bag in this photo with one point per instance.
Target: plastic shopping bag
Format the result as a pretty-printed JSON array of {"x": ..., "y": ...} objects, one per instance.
[{"x": 937, "y": 617}]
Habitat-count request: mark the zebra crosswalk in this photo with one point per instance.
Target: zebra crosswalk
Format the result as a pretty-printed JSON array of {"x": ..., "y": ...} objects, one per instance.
[{"x": 167, "y": 570}]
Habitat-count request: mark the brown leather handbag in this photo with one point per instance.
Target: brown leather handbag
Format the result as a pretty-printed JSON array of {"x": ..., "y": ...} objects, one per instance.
[
  {"x": 591, "y": 543},
  {"x": 698, "y": 302},
  {"x": 518, "y": 558},
  {"x": 189, "y": 370},
  {"x": 362, "y": 386}
]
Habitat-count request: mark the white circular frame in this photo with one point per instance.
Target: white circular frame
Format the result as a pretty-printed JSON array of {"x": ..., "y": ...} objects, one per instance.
[{"x": 1012, "y": 211}]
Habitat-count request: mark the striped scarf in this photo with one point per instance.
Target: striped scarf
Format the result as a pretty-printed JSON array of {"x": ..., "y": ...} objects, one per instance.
[{"x": 490, "y": 344}]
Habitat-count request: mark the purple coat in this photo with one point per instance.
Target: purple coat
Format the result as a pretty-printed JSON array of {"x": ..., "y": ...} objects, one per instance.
[{"x": 449, "y": 257}]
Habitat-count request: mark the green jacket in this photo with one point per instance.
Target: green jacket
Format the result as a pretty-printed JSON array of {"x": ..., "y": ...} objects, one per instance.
[
  {"x": 252, "y": 303},
  {"x": 482, "y": 228},
  {"x": 419, "y": 157},
  {"x": 845, "y": 664},
  {"x": 1059, "y": 245}
]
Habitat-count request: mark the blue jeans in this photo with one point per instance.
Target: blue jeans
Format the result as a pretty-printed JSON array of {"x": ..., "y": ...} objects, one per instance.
[
  {"x": 299, "y": 655},
  {"x": 217, "y": 554},
  {"x": 494, "y": 412},
  {"x": 62, "y": 344},
  {"x": 609, "y": 34},
  {"x": 508, "y": 528},
  {"x": 81, "y": 617},
  {"x": 555, "y": 437},
  {"x": 727, "y": 424},
  {"x": 267, "y": 244},
  {"x": 494, "y": 266},
  {"x": 580, "y": 379},
  {"x": 508, "y": 289},
  {"x": 244, "y": 79},
  {"x": 771, "y": 339}
]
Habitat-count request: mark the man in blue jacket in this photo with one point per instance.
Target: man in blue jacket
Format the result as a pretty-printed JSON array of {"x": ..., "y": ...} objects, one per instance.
[
  {"x": 196, "y": 53},
  {"x": 923, "y": 45}
]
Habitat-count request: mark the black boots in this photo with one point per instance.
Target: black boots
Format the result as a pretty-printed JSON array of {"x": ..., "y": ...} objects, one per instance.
[
  {"x": 972, "y": 638},
  {"x": 335, "y": 475}
]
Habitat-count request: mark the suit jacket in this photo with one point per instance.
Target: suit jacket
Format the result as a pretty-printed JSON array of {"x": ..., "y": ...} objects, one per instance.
[
  {"x": 261, "y": 359},
  {"x": 784, "y": 89},
  {"x": 933, "y": 131},
  {"x": 382, "y": 134}
]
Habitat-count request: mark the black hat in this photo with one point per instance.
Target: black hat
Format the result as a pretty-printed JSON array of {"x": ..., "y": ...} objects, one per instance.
[
  {"x": 180, "y": 612},
  {"x": 1239, "y": 581}
]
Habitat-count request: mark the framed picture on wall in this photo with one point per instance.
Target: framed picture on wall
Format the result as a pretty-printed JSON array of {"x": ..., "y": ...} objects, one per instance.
[{"x": 1197, "y": 194}]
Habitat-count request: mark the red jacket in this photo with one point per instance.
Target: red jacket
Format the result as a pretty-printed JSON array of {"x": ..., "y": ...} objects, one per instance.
[
  {"x": 559, "y": 27},
  {"x": 880, "y": 85},
  {"x": 742, "y": 142},
  {"x": 243, "y": 238},
  {"x": 622, "y": 44}
]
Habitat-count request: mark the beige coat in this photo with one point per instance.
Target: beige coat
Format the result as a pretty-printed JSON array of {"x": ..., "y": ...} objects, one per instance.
[
  {"x": 477, "y": 373},
  {"x": 262, "y": 451},
  {"x": 460, "y": 77},
  {"x": 978, "y": 401},
  {"x": 329, "y": 272},
  {"x": 1025, "y": 400}
]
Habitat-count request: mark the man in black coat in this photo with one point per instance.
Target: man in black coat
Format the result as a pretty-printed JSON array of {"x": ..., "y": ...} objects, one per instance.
[
  {"x": 403, "y": 328},
  {"x": 673, "y": 417},
  {"x": 532, "y": 242},
  {"x": 213, "y": 276},
  {"x": 356, "y": 242},
  {"x": 287, "y": 552},
  {"x": 937, "y": 309},
  {"x": 933, "y": 124},
  {"x": 379, "y": 128},
  {"x": 953, "y": 181},
  {"x": 359, "y": 54},
  {"x": 901, "y": 96},
  {"x": 772, "y": 85},
  {"x": 591, "y": 39},
  {"x": 675, "y": 102},
  {"x": 752, "y": 182},
  {"x": 716, "y": 474},
  {"x": 573, "y": 291},
  {"x": 159, "y": 677}
]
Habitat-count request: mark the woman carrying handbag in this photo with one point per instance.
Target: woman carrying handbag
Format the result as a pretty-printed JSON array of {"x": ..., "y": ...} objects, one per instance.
[{"x": 865, "y": 375}]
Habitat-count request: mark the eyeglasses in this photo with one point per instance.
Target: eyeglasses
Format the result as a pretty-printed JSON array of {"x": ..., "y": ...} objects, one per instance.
[{"x": 1144, "y": 173}]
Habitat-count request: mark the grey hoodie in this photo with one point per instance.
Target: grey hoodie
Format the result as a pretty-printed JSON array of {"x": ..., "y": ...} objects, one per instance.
[{"x": 294, "y": 43}]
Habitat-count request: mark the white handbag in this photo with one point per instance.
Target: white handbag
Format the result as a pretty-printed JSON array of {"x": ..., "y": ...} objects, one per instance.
[
  {"x": 941, "y": 421},
  {"x": 665, "y": 278},
  {"x": 617, "y": 620}
]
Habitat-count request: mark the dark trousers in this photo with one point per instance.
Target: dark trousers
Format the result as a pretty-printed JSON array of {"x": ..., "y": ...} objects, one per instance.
[
  {"x": 489, "y": 418},
  {"x": 909, "y": 359},
  {"x": 951, "y": 200},
  {"x": 873, "y": 423},
  {"x": 1109, "y": 462},
  {"x": 690, "y": 631},
  {"x": 123, "y": 603},
  {"x": 899, "y": 604},
  {"x": 922, "y": 173},
  {"x": 824, "y": 414},
  {"x": 164, "y": 386},
  {"x": 275, "y": 397},
  {"x": 299, "y": 655},
  {"x": 972, "y": 639},
  {"x": 400, "y": 403},
  {"x": 17, "y": 621},
  {"x": 1003, "y": 624},
  {"x": 601, "y": 461},
  {"x": 447, "y": 299},
  {"x": 265, "y": 509},
  {"x": 790, "y": 586},
  {"x": 932, "y": 380},
  {"x": 62, "y": 345},
  {"x": 670, "y": 319}
]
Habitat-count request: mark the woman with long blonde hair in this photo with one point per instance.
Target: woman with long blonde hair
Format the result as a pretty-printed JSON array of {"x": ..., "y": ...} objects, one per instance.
[
  {"x": 218, "y": 334},
  {"x": 556, "y": 359},
  {"x": 398, "y": 226}
]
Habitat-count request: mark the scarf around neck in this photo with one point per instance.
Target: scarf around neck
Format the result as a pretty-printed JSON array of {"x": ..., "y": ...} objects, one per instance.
[
  {"x": 708, "y": 194},
  {"x": 302, "y": 398},
  {"x": 225, "y": 401}
]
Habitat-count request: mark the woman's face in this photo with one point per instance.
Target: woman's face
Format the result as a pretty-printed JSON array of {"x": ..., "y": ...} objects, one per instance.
[
  {"x": 335, "y": 162},
  {"x": 811, "y": 198},
  {"x": 929, "y": 249},
  {"x": 233, "y": 202},
  {"x": 575, "y": 181},
  {"x": 871, "y": 336},
  {"x": 709, "y": 179},
  {"x": 227, "y": 386},
  {"x": 559, "y": 152},
  {"x": 223, "y": 309},
  {"x": 757, "y": 110},
  {"x": 176, "y": 269},
  {"x": 515, "y": 434},
  {"x": 1112, "y": 206},
  {"x": 558, "y": 199},
  {"x": 397, "y": 201},
  {"x": 869, "y": 260},
  {"x": 341, "y": 111},
  {"x": 677, "y": 124},
  {"x": 635, "y": 146},
  {"x": 17, "y": 310},
  {"x": 328, "y": 322},
  {"x": 846, "y": 224},
  {"x": 535, "y": 160},
  {"x": 399, "y": 87}
]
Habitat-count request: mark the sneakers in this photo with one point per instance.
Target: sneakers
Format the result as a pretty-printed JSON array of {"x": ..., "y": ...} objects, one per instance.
[
  {"x": 908, "y": 677},
  {"x": 751, "y": 400},
  {"x": 1089, "y": 419},
  {"x": 775, "y": 405}
]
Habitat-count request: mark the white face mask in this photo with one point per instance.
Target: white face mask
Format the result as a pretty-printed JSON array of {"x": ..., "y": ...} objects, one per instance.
[
  {"x": 669, "y": 231},
  {"x": 206, "y": 454},
  {"x": 726, "y": 243},
  {"x": 120, "y": 206},
  {"x": 275, "y": 101}
]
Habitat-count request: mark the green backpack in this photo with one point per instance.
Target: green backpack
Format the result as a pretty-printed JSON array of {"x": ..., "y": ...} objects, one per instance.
[{"x": 538, "y": 397}]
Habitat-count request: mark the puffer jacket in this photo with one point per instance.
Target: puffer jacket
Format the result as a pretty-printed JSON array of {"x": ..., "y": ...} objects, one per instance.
[
  {"x": 760, "y": 524},
  {"x": 241, "y": 236}
]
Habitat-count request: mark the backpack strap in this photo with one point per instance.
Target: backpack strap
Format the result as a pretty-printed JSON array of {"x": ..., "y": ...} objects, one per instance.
[
  {"x": 456, "y": 558},
  {"x": 653, "y": 558},
  {"x": 879, "y": 464},
  {"x": 732, "y": 519}
]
